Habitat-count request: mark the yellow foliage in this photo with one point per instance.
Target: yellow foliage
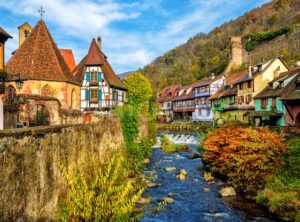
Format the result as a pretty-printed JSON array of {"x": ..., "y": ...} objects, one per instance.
[{"x": 101, "y": 192}]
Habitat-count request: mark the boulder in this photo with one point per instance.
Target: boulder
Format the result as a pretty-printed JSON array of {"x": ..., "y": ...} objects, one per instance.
[
  {"x": 144, "y": 201},
  {"x": 208, "y": 177},
  {"x": 205, "y": 190},
  {"x": 170, "y": 194},
  {"x": 146, "y": 161},
  {"x": 227, "y": 191},
  {"x": 168, "y": 200},
  {"x": 152, "y": 185},
  {"x": 181, "y": 176},
  {"x": 183, "y": 171},
  {"x": 194, "y": 156},
  {"x": 170, "y": 169}
]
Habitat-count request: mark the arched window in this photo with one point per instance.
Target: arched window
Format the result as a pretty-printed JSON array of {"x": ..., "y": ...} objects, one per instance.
[
  {"x": 47, "y": 90},
  {"x": 11, "y": 93}
]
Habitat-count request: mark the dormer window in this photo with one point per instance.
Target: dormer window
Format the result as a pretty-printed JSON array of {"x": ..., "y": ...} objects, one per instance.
[
  {"x": 259, "y": 68},
  {"x": 270, "y": 85},
  {"x": 281, "y": 84},
  {"x": 170, "y": 94},
  {"x": 227, "y": 87},
  {"x": 298, "y": 86}
]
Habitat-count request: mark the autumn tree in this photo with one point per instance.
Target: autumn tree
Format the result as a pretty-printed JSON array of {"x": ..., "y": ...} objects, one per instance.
[{"x": 139, "y": 90}]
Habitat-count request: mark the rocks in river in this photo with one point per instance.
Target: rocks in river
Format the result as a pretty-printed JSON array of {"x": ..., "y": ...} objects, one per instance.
[
  {"x": 205, "y": 189},
  {"x": 194, "y": 156},
  {"x": 152, "y": 185},
  {"x": 144, "y": 201},
  {"x": 182, "y": 174},
  {"x": 167, "y": 200},
  {"x": 146, "y": 161},
  {"x": 215, "y": 216},
  {"x": 208, "y": 177},
  {"x": 170, "y": 194},
  {"x": 170, "y": 169},
  {"x": 227, "y": 191}
]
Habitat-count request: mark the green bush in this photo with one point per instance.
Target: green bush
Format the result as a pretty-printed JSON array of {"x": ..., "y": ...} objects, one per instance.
[
  {"x": 101, "y": 192},
  {"x": 282, "y": 191}
]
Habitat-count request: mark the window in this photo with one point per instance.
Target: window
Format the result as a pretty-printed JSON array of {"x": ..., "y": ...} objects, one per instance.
[
  {"x": 94, "y": 77},
  {"x": 281, "y": 84},
  {"x": 94, "y": 95},
  {"x": 115, "y": 95},
  {"x": 298, "y": 86},
  {"x": 123, "y": 99},
  {"x": 270, "y": 85},
  {"x": 248, "y": 99},
  {"x": 11, "y": 93},
  {"x": 263, "y": 103}
]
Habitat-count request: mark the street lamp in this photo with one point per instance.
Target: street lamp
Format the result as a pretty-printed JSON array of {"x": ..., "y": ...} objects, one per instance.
[{"x": 19, "y": 83}]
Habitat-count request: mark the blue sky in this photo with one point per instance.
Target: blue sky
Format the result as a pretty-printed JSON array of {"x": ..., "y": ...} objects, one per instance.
[{"x": 134, "y": 32}]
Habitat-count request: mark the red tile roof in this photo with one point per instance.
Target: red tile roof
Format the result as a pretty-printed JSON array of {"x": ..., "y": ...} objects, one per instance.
[
  {"x": 38, "y": 58},
  {"x": 207, "y": 82},
  {"x": 187, "y": 93},
  {"x": 96, "y": 57},
  {"x": 67, "y": 54},
  {"x": 168, "y": 93}
]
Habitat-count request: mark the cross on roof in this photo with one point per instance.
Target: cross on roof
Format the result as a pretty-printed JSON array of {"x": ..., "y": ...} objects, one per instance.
[{"x": 41, "y": 11}]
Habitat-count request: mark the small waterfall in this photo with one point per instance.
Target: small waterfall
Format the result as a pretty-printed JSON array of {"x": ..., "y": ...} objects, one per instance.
[{"x": 182, "y": 138}]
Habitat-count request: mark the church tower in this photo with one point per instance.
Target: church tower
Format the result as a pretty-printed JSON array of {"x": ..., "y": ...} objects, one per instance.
[{"x": 24, "y": 31}]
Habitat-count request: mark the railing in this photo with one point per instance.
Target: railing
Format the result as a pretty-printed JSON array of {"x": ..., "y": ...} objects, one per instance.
[
  {"x": 245, "y": 91},
  {"x": 190, "y": 107},
  {"x": 202, "y": 94},
  {"x": 207, "y": 105}
]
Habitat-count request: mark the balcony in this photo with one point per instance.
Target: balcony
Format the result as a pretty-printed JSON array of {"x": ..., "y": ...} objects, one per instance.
[
  {"x": 245, "y": 91},
  {"x": 165, "y": 108},
  {"x": 201, "y": 94},
  {"x": 185, "y": 108},
  {"x": 203, "y": 106}
]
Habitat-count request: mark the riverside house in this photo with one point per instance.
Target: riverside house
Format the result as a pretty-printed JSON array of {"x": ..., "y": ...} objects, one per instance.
[
  {"x": 101, "y": 89},
  {"x": 165, "y": 99},
  {"x": 269, "y": 107},
  {"x": 224, "y": 101},
  {"x": 202, "y": 91},
  {"x": 257, "y": 78},
  {"x": 184, "y": 103}
]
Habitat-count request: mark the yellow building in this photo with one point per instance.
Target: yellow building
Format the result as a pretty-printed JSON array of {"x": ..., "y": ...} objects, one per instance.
[{"x": 39, "y": 64}]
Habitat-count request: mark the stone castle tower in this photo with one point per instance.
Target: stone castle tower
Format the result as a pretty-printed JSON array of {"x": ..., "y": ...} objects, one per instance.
[
  {"x": 236, "y": 51},
  {"x": 24, "y": 31}
]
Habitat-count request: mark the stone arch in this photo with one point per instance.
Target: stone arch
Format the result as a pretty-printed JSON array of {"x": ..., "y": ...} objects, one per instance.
[
  {"x": 39, "y": 116},
  {"x": 73, "y": 99},
  {"x": 47, "y": 90},
  {"x": 11, "y": 93},
  {"x": 298, "y": 120}
]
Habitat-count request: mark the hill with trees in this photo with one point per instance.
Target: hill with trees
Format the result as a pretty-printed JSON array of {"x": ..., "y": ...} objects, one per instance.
[{"x": 277, "y": 21}]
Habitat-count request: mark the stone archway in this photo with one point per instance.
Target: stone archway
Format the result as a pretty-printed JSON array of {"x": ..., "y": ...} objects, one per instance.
[{"x": 39, "y": 116}]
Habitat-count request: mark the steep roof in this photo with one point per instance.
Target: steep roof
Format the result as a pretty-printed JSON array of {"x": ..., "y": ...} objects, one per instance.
[
  {"x": 206, "y": 82},
  {"x": 185, "y": 93},
  {"x": 67, "y": 54},
  {"x": 230, "y": 80},
  {"x": 96, "y": 57},
  {"x": 280, "y": 91},
  {"x": 38, "y": 58},
  {"x": 168, "y": 93},
  {"x": 4, "y": 35},
  {"x": 291, "y": 92}
]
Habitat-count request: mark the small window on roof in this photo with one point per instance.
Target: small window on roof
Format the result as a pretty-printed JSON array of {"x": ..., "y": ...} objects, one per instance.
[
  {"x": 281, "y": 84},
  {"x": 227, "y": 87},
  {"x": 270, "y": 85},
  {"x": 298, "y": 86}
]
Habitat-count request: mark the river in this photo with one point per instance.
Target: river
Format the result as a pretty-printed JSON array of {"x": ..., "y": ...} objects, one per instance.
[{"x": 194, "y": 199}]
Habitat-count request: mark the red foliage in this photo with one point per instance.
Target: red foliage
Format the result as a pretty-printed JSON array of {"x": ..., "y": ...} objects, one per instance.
[{"x": 245, "y": 155}]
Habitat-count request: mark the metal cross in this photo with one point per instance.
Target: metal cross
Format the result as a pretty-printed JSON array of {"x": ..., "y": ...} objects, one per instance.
[{"x": 41, "y": 11}]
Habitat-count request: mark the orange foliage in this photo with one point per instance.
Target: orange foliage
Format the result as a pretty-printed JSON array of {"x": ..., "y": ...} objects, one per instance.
[{"x": 246, "y": 156}]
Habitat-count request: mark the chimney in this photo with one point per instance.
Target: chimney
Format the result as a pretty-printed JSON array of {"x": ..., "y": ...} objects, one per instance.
[
  {"x": 24, "y": 31},
  {"x": 236, "y": 51},
  {"x": 99, "y": 41},
  {"x": 250, "y": 72}
]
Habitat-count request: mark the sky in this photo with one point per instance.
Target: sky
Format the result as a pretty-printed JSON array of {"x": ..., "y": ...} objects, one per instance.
[{"x": 133, "y": 32}]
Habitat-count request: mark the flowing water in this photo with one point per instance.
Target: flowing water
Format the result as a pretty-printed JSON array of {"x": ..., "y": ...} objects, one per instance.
[{"x": 195, "y": 199}]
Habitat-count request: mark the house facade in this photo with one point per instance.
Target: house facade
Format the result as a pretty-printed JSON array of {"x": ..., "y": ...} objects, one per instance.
[
  {"x": 184, "y": 103},
  {"x": 224, "y": 101},
  {"x": 257, "y": 79},
  {"x": 101, "y": 89},
  {"x": 202, "y": 91},
  {"x": 165, "y": 99}
]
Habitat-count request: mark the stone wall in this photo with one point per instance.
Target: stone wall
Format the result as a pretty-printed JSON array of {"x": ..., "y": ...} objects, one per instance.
[{"x": 31, "y": 183}]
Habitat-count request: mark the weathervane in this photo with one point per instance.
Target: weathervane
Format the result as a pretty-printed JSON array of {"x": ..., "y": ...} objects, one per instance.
[{"x": 41, "y": 11}]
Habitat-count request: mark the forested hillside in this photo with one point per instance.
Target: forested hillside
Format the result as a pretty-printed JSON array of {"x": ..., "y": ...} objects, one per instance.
[{"x": 207, "y": 53}]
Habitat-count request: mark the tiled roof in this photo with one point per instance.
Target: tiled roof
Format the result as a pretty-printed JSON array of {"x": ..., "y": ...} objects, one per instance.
[
  {"x": 186, "y": 94},
  {"x": 283, "y": 92},
  {"x": 207, "y": 82},
  {"x": 290, "y": 90},
  {"x": 38, "y": 58},
  {"x": 96, "y": 57},
  {"x": 67, "y": 54},
  {"x": 4, "y": 35},
  {"x": 230, "y": 80},
  {"x": 168, "y": 93}
]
